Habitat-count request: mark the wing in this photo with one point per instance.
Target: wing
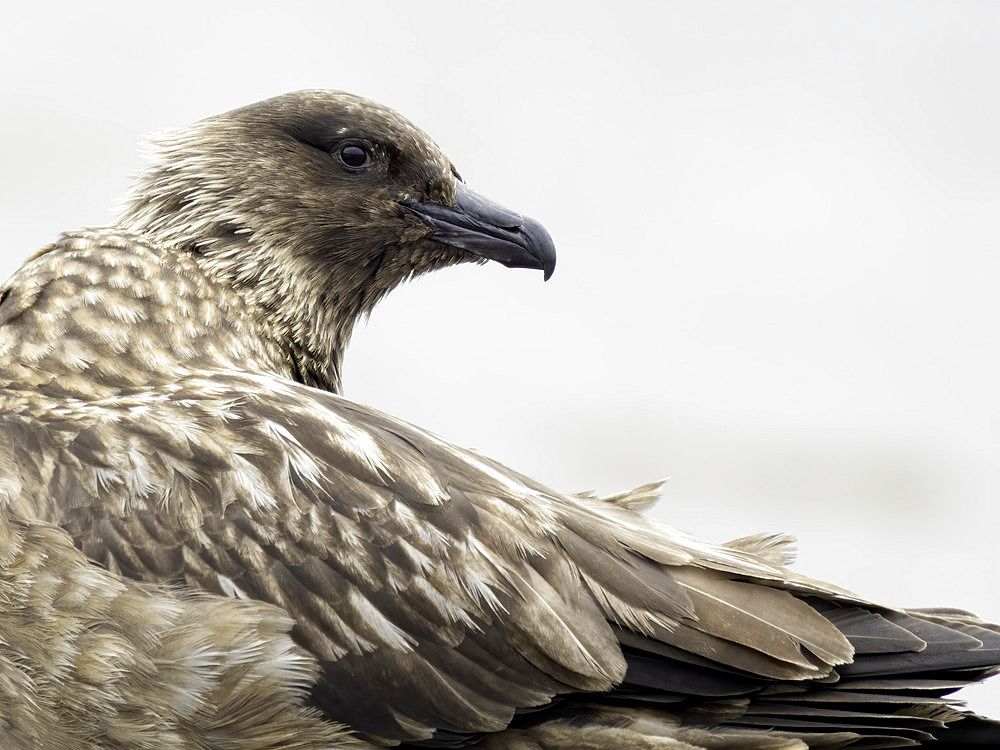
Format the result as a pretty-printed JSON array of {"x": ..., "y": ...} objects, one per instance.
[
  {"x": 440, "y": 591},
  {"x": 89, "y": 660}
]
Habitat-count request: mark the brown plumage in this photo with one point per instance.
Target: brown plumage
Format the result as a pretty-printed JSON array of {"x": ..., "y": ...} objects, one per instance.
[
  {"x": 169, "y": 398},
  {"x": 92, "y": 660}
]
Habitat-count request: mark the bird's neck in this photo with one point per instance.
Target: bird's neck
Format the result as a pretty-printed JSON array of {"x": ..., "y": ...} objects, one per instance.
[{"x": 308, "y": 317}]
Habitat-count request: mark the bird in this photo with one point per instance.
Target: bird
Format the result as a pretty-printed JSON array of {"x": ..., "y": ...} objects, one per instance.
[{"x": 171, "y": 407}]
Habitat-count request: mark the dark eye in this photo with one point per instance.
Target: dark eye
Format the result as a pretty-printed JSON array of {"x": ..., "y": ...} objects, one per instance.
[{"x": 355, "y": 157}]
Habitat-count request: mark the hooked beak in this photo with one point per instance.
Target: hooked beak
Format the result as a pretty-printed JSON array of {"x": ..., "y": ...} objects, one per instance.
[{"x": 486, "y": 229}]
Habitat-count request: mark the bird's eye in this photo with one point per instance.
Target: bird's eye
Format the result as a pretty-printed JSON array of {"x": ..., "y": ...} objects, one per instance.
[{"x": 355, "y": 157}]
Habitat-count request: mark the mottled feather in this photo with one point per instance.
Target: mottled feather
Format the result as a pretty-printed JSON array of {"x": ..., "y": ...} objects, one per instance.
[{"x": 91, "y": 661}]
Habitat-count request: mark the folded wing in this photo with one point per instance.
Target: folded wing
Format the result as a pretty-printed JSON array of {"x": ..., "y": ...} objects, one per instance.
[{"x": 443, "y": 593}]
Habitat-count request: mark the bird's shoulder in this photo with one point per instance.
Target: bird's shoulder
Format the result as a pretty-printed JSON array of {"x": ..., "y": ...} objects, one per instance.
[{"x": 102, "y": 310}]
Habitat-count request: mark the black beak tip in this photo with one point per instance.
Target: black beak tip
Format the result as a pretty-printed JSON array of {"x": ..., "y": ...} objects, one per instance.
[{"x": 540, "y": 245}]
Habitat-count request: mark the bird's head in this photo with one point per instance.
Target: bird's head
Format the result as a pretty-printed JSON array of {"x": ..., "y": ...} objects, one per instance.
[
  {"x": 327, "y": 186},
  {"x": 315, "y": 204}
]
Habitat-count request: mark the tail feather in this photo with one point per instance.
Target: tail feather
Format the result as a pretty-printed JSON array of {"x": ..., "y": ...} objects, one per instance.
[{"x": 892, "y": 693}]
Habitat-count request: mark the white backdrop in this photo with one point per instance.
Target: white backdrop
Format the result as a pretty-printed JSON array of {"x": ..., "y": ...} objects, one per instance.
[{"x": 776, "y": 224}]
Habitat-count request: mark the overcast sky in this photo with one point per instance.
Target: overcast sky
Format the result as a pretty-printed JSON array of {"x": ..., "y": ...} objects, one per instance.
[{"x": 776, "y": 224}]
